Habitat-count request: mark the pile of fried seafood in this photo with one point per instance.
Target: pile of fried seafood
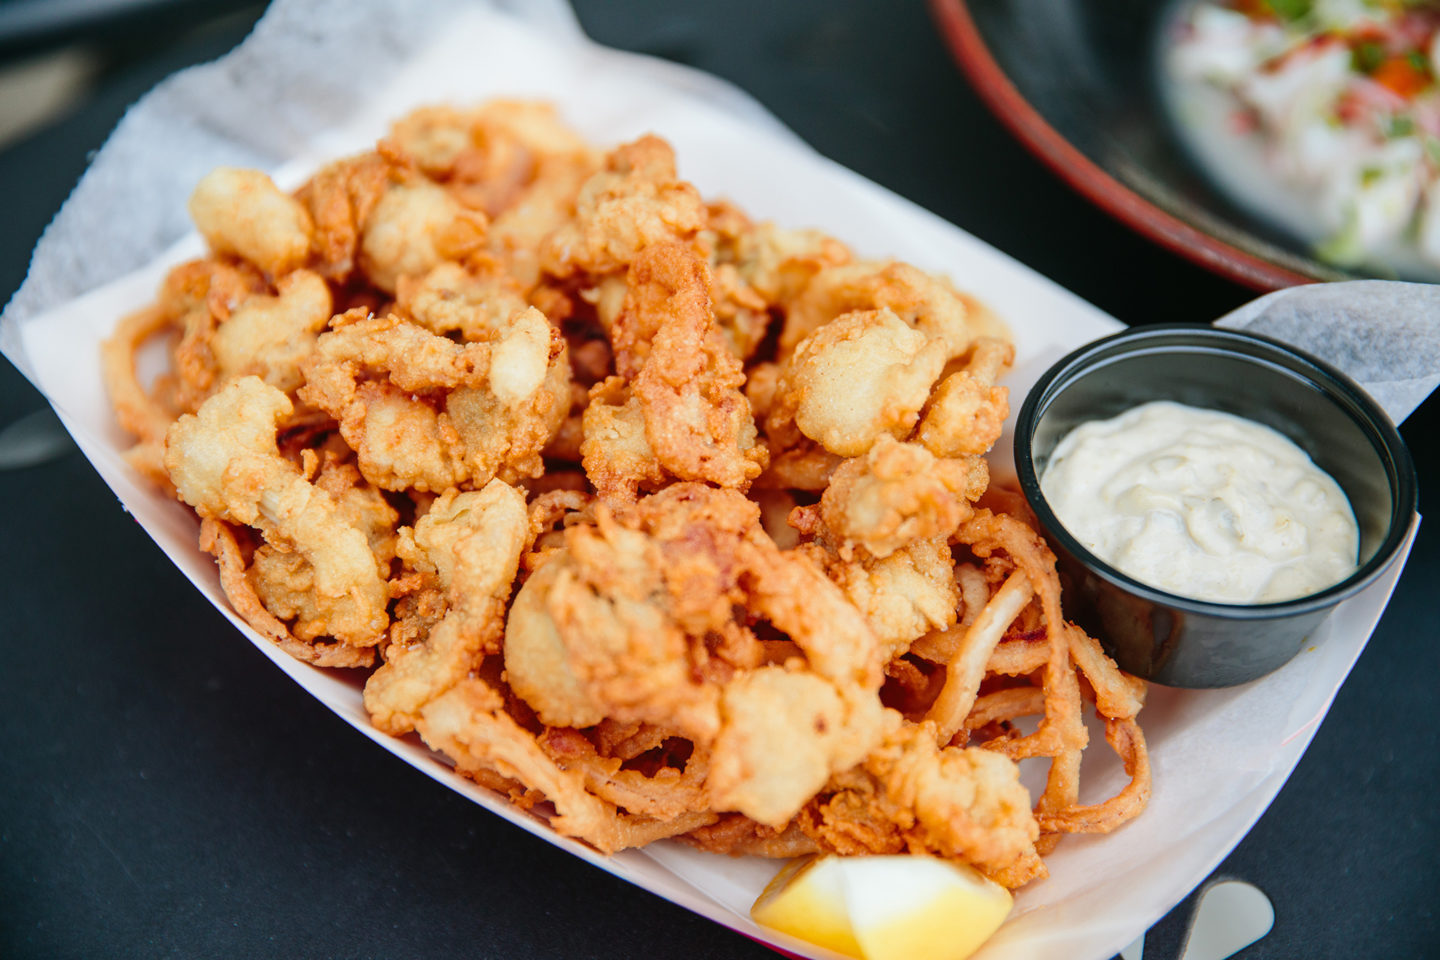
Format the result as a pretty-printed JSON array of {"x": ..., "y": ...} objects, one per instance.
[{"x": 658, "y": 521}]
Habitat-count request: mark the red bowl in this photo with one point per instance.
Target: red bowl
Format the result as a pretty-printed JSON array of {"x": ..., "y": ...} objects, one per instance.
[{"x": 1075, "y": 81}]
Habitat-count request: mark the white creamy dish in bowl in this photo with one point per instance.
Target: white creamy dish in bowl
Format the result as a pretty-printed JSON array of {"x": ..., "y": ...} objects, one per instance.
[
  {"x": 1170, "y": 514},
  {"x": 1203, "y": 504}
]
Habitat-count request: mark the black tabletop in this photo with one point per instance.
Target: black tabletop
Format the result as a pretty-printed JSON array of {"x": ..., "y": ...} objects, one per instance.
[{"x": 164, "y": 791}]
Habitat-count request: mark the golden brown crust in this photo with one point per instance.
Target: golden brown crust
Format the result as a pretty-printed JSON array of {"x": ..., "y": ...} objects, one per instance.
[{"x": 656, "y": 520}]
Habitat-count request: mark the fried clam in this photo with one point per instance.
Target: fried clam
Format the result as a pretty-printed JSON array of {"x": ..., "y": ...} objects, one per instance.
[
  {"x": 894, "y": 495},
  {"x": 966, "y": 412},
  {"x": 756, "y": 266},
  {"x": 912, "y": 796},
  {"x": 481, "y": 405},
  {"x": 414, "y": 226},
  {"x": 224, "y": 462},
  {"x": 242, "y": 213},
  {"x": 270, "y": 336},
  {"x": 452, "y": 300},
  {"x": 637, "y": 200},
  {"x": 488, "y": 155},
  {"x": 340, "y": 198},
  {"x": 191, "y": 302},
  {"x": 675, "y": 408},
  {"x": 864, "y": 374},
  {"x": 906, "y": 595},
  {"x": 881, "y": 532},
  {"x": 283, "y": 580},
  {"x": 927, "y": 304},
  {"x": 423, "y": 412},
  {"x": 471, "y": 543},
  {"x": 642, "y": 618}
]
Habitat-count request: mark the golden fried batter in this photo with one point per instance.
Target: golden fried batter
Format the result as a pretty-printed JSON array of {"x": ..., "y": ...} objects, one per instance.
[{"x": 654, "y": 519}]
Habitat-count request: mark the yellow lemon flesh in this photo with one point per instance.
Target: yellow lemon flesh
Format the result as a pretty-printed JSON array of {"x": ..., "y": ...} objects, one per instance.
[{"x": 885, "y": 908}]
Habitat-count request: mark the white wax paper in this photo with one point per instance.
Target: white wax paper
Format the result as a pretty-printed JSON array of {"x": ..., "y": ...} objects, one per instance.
[
  {"x": 1384, "y": 334},
  {"x": 1219, "y": 757}
]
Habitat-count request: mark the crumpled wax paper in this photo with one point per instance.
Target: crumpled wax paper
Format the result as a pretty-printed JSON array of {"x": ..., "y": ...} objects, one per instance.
[
  {"x": 1384, "y": 334},
  {"x": 320, "y": 78}
]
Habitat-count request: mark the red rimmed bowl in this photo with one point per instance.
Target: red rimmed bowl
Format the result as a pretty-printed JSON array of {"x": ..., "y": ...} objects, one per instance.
[{"x": 1077, "y": 81}]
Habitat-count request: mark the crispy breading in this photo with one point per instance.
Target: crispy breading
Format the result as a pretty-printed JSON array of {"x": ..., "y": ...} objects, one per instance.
[
  {"x": 864, "y": 375},
  {"x": 224, "y": 462},
  {"x": 472, "y": 543},
  {"x": 242, "y": 212},
  {"x": 657, "y": 520}
]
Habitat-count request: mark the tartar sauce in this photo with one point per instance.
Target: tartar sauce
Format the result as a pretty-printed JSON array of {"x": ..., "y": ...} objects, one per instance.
[{"x": 1202, "y": 504}]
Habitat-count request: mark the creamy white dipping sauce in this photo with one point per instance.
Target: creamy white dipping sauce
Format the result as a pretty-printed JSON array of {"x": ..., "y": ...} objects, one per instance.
[{"x": 1202, "y": 504}]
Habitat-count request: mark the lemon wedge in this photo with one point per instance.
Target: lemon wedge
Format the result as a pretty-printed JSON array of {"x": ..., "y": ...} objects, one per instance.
[{"x": 885, "y": 907}]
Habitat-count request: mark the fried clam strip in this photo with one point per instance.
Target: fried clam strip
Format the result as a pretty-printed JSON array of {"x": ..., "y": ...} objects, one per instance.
[
  {"x": 499, "y": 402},
  {"x": 688, "y": 386},
  {"x": 635, "y": 621},
  {"x": 683, "y": 392},
  {"x": 472, "y": 543},
  {"x": 469, "y": 724},
  {"x": 911, "y": 795},
  {"x": 224, "y": 462}
]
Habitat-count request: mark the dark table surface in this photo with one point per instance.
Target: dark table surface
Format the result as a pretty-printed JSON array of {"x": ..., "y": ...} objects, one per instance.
[{"x": 164, "y": 791}]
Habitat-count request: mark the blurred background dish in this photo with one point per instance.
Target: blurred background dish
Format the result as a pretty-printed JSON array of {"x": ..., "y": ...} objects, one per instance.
[{"x": 1085, "y": 84}]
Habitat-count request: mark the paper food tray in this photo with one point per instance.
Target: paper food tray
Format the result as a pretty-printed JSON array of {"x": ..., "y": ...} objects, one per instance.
[{"x": 1218, "y": 757}]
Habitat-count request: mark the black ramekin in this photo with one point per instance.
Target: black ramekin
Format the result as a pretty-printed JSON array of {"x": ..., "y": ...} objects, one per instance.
[{"x": 1176, "y": 640}]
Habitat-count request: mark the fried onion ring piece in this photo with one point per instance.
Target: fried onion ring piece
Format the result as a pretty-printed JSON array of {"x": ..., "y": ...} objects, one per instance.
[
  {"x": 469, "y": 724},
  {"x": 964, "y": 673}
]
